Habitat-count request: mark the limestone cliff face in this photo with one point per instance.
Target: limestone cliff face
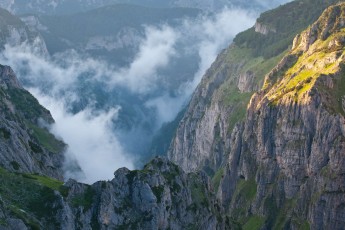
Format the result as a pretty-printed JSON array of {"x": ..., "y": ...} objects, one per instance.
[
  {"x": 159, "y": 197},
  {"x": 14, "y": 32},
  {"x": 25, "y": 146},
  {"x": 200, "y": 141},
  {"x": 290, "y": 151},
  {"x": 264, "y": 29}
]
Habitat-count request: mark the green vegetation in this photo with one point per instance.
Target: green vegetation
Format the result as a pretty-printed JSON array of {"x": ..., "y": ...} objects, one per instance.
[
  {"x": 30, "y": 195},
  {"x": 254, "y": 223},
  {"x": 246, "y": 189},
  {"x": 284, "y": 214},
  {"x": 217, "y": 178},
  {"x": 3, "y": 222},
  {"x": 26, "y": 104},
  {"x": 305, "y": 225},
  {"x": 15, "y": 165},
  {"x": 288, "y": 20},
  {"x": 258, "y": 66},
  {"x": 45, "y": 181},
  {"x": 35, "y": 147},
  {"x": 85, "y": 199},
  {"x": 158, "y": 192},
  {"x": 198, "y": 192},
  {"x": 301, "y": 77},
  {"x": 5, "y": 133},
  {"x": 244, "y": 194},
  {"x": 46, "y": 139}
]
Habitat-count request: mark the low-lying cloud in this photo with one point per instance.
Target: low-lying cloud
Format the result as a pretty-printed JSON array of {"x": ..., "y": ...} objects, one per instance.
[
  {"x": 92, "y": 139},
  {"x": 210, "y": 36}
]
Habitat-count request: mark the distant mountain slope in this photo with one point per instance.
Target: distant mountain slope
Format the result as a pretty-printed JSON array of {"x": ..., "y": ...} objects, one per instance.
[
  {"x": 14, "y": 32},
  {"x": 287, "y": 159},
  {"x": 159, "y": 196},
  {"x": 120, "y": 26},
  {"x": 276, "y": 156},
  {"x": 283, "y": 159},
  {"x": 74, "y": 6},
  {"x": 220, "y": 101}
]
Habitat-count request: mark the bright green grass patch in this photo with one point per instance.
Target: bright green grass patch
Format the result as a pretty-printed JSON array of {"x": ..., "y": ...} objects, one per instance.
[
  {"x": 29, "y": 195},
  {"x": 301, "y": 77},
  {"x": 217, "y": 178},
  {"x": 266, "y": 66},
  {"x": 47, "y": 139},
  {"x": 254, "y": 223},
  {"x": 84, "y": 199},
  {"x": 305, "y": 225},
  {"x": 45, "y": 181},
  {"x": 232, "y": 97},
  {"x": 246, "y": 189},
  {"x": 284, "y": 214},
  {"x": 230, "y": 94}
]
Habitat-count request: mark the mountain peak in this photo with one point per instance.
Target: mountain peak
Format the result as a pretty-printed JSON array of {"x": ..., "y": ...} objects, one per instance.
[
  {"x": 331, "y": 23},
  {"x": 316, "y": 53},
  {"x": 8, "y": 78}
]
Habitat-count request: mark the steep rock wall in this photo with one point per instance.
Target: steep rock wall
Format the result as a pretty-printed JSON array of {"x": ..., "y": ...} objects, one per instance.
[{"x": 290, "y": 151}]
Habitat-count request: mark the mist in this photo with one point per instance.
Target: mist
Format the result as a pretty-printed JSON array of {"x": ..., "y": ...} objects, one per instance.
[
  {"x": 90, "y": 139},
  {"x": 93, "y": 140},
  {"x": 212, "y": 35}
]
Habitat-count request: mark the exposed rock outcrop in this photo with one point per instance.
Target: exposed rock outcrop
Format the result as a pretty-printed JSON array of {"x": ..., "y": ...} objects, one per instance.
[
  {"x": 290, "y": 151},
  {"x": 25, "y": 146},
  {"x": 14, "y": 32},
  {"x": 160, "y": 196},
  {"x": 264, "y": 29}
]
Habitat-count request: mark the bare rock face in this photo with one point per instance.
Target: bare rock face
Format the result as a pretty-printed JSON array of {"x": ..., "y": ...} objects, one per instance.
[
  {"x": 264, "y": 29},
  {"x": 197, "y": 141},
  {"x": 246, "y": 82},
  {"x": 14, "y": 32},
  {"x": 25, "y": 146},
  {"x": 290, "y": 151},
  {"x": 161, "y": 196}
]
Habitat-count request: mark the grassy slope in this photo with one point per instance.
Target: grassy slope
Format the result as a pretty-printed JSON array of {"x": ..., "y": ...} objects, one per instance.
[
  {"x": 260, "y": 53},
  {"x": 29, "y": 197}
]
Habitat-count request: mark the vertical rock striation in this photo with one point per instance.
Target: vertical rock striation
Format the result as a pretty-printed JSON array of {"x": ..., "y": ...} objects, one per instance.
[{"x": 290, "y": 151}]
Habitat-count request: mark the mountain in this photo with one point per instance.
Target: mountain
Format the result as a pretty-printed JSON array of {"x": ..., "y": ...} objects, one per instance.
[
  {"x": 14, "y": 32},
  {"x": 112, "y": 31},
  {"x": 74, "y": 6},
  {"x": 221, "y": 99},
  {"x": 26, "y": 145},
  {"x": 276, "y": 156},
  {"x": 266, "y": 123},
  {"x": 33, "y": 196}
]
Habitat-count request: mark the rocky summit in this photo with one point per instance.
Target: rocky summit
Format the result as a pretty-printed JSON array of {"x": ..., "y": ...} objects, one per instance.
[{"x": 261, "y": 144}]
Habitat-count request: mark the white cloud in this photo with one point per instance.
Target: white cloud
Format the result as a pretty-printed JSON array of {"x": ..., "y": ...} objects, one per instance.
[
  {"x": 212, "y": 34},
  {"x": 90, "y": 138},
  {"x": 154, "y": 53}
]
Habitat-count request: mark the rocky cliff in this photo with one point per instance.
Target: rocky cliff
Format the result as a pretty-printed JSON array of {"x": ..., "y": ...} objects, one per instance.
[
  {"x": 202, "y": 139},
  {"x": 282, "y": 167},
  {"x": 290, "y": 149},
  {"x": 276, "y": 156},
  {"x": 161, "y": 196},
  {"x": 14, "y": 32},
  {"x": 25, "y": 145}
]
